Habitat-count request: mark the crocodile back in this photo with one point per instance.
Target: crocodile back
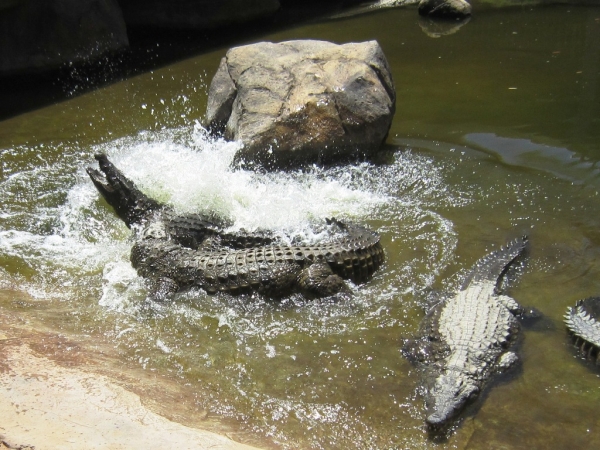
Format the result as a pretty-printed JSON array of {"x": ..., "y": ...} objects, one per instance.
[
  {"x": 272, "y": 268},
  {"x": 355, "y": 257},
  {"x": 192, "y": 230}
]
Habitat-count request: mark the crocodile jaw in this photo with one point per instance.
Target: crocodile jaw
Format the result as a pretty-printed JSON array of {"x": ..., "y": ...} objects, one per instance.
[
  {"x": 448, "y": 396},
  {"x": 130, "y": 204}
]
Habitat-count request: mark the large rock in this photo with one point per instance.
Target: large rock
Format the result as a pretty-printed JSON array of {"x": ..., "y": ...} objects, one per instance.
[
  {"x": 302, "y": 101},
  {"x": 44, "y": 34},
  {"x": 197, "y": 14}
]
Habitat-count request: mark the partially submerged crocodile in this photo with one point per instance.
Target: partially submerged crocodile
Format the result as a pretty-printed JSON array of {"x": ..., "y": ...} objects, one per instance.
[
  {"x": 136, "y": 209},
  {"x": 465, "y": 339},
  {"x": 182, "y": 252},
  {"x": 583, "y": 322}
]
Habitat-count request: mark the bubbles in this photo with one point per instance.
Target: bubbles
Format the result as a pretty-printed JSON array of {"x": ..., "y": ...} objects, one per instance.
[{"x": 121, "y": 286}]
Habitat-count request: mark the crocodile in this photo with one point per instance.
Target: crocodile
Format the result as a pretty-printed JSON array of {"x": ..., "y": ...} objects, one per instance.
[
  {"x": 466, "y": 338},
  {"x": 583, "y": 324},
  {"x": 177, "y": 253}
]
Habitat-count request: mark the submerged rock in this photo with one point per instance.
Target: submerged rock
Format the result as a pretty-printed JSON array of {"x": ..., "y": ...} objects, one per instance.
[
  {"x": 302, "y": 101},
  {"x": 37, "y": 35},
  {"x": 370, "y": 7},
  {"x": 437, "y": 28},
  {"x": 445, "y": 8}
]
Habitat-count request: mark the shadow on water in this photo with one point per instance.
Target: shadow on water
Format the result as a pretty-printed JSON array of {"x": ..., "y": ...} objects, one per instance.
[{"x": 149, "y": 49}]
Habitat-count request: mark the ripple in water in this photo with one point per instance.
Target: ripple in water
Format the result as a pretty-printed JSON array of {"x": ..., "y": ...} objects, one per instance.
[{"x": 64, "y": 242}]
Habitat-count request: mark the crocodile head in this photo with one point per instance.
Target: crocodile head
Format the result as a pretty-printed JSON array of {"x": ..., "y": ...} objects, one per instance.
[
  {"x": 130, "y": 204},
  {"x": 449, "y": 395}
]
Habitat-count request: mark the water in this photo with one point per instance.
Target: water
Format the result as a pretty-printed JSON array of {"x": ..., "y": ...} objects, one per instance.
[{"x": 471, "y": 162}]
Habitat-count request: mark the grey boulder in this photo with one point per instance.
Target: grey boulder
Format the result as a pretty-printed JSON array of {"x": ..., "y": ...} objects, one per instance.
[{"x": 302, "y": 101}]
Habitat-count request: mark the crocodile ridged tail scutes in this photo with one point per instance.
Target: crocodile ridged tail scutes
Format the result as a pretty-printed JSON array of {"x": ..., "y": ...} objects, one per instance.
[
  {"x": 583, "y": 323},
  {"x": 492, "y": 266}
]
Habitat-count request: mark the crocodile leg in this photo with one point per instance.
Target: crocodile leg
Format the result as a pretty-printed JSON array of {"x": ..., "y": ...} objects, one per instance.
[
  {"x": 319, "y": 280},
  {"x": 511, "y": 304},
  {"x": 162, "y": 289},
  {"x": 417, "y": 350},
  {"x": 507, "y": 361}
]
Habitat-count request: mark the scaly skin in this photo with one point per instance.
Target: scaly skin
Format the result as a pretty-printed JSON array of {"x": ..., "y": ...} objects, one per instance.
[
  {"x": 181, "y": 252},
  {"x": 274, "y": 270},
  {"x": 195, "y": 231},
  {"x": 465, "y": 339},
  {"x": 584, "y": 326}
]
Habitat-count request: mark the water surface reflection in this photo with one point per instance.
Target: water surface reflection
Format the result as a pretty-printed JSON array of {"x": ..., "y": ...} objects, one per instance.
[{"x": 471, "y": 164}]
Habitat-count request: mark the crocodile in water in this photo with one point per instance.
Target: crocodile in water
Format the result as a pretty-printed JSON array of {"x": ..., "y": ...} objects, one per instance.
[
  {"x": 182, "y": 252},
  {"x": 466, "y": 338},
  {"x": 136, "y": 209},
  {"x": 583, "y": 322}
]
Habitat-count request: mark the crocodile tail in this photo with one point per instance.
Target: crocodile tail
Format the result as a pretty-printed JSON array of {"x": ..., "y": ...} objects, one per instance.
[
  {"x": 361, "y": 252},
  {"x": 130, "y": 204},
  {"x": 582, "y": 321},
  {"x": 492, "y": 266}
]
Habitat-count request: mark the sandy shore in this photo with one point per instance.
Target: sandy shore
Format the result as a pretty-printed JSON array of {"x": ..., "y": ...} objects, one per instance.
[{"x": 47, "y": 403}]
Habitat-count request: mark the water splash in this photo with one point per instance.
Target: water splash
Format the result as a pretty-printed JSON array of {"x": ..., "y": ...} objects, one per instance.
[
  {"x": 55, "y": 224},
  {"x": 64, "y": 242}
]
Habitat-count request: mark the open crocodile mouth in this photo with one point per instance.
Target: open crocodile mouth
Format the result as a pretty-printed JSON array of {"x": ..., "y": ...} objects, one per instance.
[
  {"x": 130, "y": 204},
  {"x": 96, "y": 175},
  {"x": 99, "y": 178}
]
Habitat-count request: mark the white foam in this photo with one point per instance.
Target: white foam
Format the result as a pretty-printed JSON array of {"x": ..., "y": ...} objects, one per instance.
[{"x": 197, "y": 176}]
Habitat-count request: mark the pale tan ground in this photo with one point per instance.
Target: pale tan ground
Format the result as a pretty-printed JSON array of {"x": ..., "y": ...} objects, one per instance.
[
  {"x": 54, "y": 396},
  {"x": 49, "y": 407}
]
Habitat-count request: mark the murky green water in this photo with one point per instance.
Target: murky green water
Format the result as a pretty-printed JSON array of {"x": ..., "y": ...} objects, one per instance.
[{"x": 497, "y": 134}]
